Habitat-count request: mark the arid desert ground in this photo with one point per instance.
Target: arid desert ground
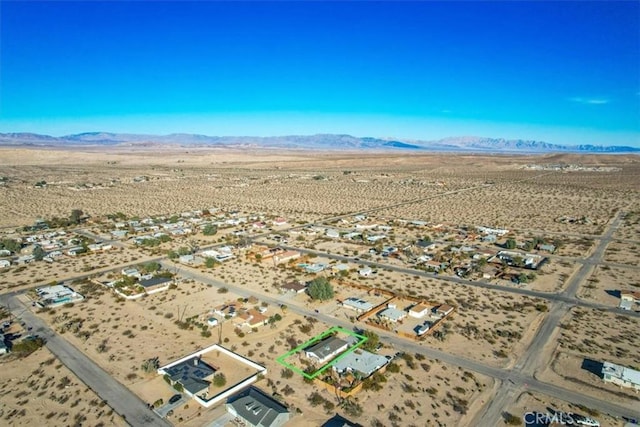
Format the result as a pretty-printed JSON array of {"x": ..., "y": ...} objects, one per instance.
[{"x": 446, "y": 381}]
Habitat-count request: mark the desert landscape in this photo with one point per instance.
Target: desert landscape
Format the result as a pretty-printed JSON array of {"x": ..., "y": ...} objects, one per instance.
[{"x": 429, "y": 212}]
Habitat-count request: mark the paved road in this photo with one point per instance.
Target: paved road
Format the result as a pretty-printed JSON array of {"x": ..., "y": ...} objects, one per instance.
[
  {"x": 532, "y": 358},
  {"x": 550, "y": 296},
  {"x": 402, "y": 344},
  {"x": 116, "y": 395}
]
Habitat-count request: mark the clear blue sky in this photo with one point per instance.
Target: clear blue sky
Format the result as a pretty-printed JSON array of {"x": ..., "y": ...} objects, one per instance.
[{"x": 563, "y": 72}]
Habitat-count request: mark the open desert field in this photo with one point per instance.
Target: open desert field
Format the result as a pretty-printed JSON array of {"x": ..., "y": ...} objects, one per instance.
[
  {"x": 492, "y": 328},
  {"x": 588, "y": 338},
  {"x": 38, "y": 273},
  {"x": 529, "y": 403},
  {"x": 40, "y": 390},
  {"x": 605, "y": 283},
  {"x": 309, "y": 184}
]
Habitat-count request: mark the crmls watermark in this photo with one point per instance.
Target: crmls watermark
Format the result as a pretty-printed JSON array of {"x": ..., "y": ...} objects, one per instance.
[{"x": 541, "y": 418}]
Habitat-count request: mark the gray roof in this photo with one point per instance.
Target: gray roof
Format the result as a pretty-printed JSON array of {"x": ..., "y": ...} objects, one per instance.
[
  {"x": 358, "y": 304},
  {"x": 361, "y": 361},
  {"x": 191, "y": 373},
  {"x": 154, "y": 281},
  {"x": 258, "y": 409},
  {"x": 392, "y": 314},
  {"x": 326, "y": 347}
]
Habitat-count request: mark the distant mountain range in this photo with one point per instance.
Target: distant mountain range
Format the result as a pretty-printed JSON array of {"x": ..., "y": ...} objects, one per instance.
[{"x": 310, "y": 142}]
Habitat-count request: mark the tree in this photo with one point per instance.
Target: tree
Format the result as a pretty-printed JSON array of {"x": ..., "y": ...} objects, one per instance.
[
  {"x": 76, "y": 216},
  {"x": 321, "y": 289},
  {"x": 210, "y": 262},
  {"x": 209, "y": 230},
  {"x": 27, "y": 346},
  {"x": 219, "y": 380},
  {"x": 151, "y": 365},
  {"x": 510, "y": 244},
  {"x": 183, "y": 250},
  {"x": 151, "y": 267},
  {"x": 10, "y": 245},
  {"x": 172, "y": 254},
  {"x": 39, "y": 253},
  {"x": 372, "y": 342}
]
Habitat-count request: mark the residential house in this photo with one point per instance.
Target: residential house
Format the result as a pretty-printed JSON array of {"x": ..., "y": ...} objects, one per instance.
[
  {"x": 490, "y": 238},
  {"x": 392, "y": 314},
  {"x": 326, "y": 349},
  {"x": 338, "y": 421},
  {"x": 279, "y": 221},
  {"x": 313, "y": 268},
  {"x": 229, "y": 309},
  {"x": 251, "y": 319},
  {"x": 192, "y": 374},
  {"x": 376, "y": 237},
  {"x": 547, "y": 248},
  {"x": 286, "y": 256},
  {"x": 365, "y": 272},
  {"x": 620, "y": 375},
  {"x": 5, "y": 263},
  {"x": 337, "y": 268},
  {"x": 155, "y": 283},
  {"x": 331, "y": 233},
  {"x": 295, "y": 287},
  {"x": 255, "y": 409},
  {"x": 442, "y": 311},
  {"x": 357, "y": 304},
  {"x": 633, "y": 296},
  {"x": 3, "y": 346},
  {"x": 366, "y": 226},
  {"x": 419, "y": 311},
  {"x": 131, "y": 272},
  {"x": 360, "y": 361}
]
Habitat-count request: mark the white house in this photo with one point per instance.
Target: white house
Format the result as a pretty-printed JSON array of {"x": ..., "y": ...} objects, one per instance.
[
  {"x": 4, "y": 263},
  {"x": 365, "y": 272},
  {"x": 392, "y": 314},
  {"x": 332, "y": 234},
  {"x": 326, "y": 349},
  {"x": 419, "y": 311},
  {"x": 357, "y": 304},
  {"x": 620, "y": 375}
]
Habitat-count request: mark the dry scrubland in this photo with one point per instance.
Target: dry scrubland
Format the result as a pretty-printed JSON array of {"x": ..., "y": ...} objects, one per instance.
[
  {"x": 488, "y": 326},
  {"x": 536, "y": 402},
  {"x": 588, "y": 337},
  {"x": 605, "y": 283},
  {"x": 29, "y": 275},
  {"x": 40, "y": 390},
  {"x": 308, "y": 185},
  {"x": 630, "y": 227},
  {"x": 109, "y": 330}
]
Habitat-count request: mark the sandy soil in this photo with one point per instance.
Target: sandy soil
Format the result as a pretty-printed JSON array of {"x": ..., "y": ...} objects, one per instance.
[
  {"x": 304, "y": 186},
  {"x": 536, "y": 402},
  {"x": 39, "y": 390},
  {"x": 580, "y": 342},
  {"x": 605, "y": 283}
]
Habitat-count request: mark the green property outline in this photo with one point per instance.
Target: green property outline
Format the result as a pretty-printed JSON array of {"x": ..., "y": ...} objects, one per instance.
[{"x": 318, "y": 338}]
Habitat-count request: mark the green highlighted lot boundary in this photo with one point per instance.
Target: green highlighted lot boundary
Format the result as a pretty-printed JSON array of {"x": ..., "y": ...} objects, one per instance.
[{"x": 282, "y": 359}]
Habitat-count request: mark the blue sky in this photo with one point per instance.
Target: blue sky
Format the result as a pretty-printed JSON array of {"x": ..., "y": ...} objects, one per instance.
[{"x": 562, "y": 72}]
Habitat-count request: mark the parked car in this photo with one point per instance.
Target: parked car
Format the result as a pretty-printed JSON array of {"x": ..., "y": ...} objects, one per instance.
[{"x": 175, "y": 398}]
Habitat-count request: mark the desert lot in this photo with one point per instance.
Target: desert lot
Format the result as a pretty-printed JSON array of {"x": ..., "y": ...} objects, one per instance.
[{"x": 489, "y": 326}]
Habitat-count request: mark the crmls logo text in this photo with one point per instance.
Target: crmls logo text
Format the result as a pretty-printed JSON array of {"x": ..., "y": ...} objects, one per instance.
[{"x": 537, "y": 418}]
